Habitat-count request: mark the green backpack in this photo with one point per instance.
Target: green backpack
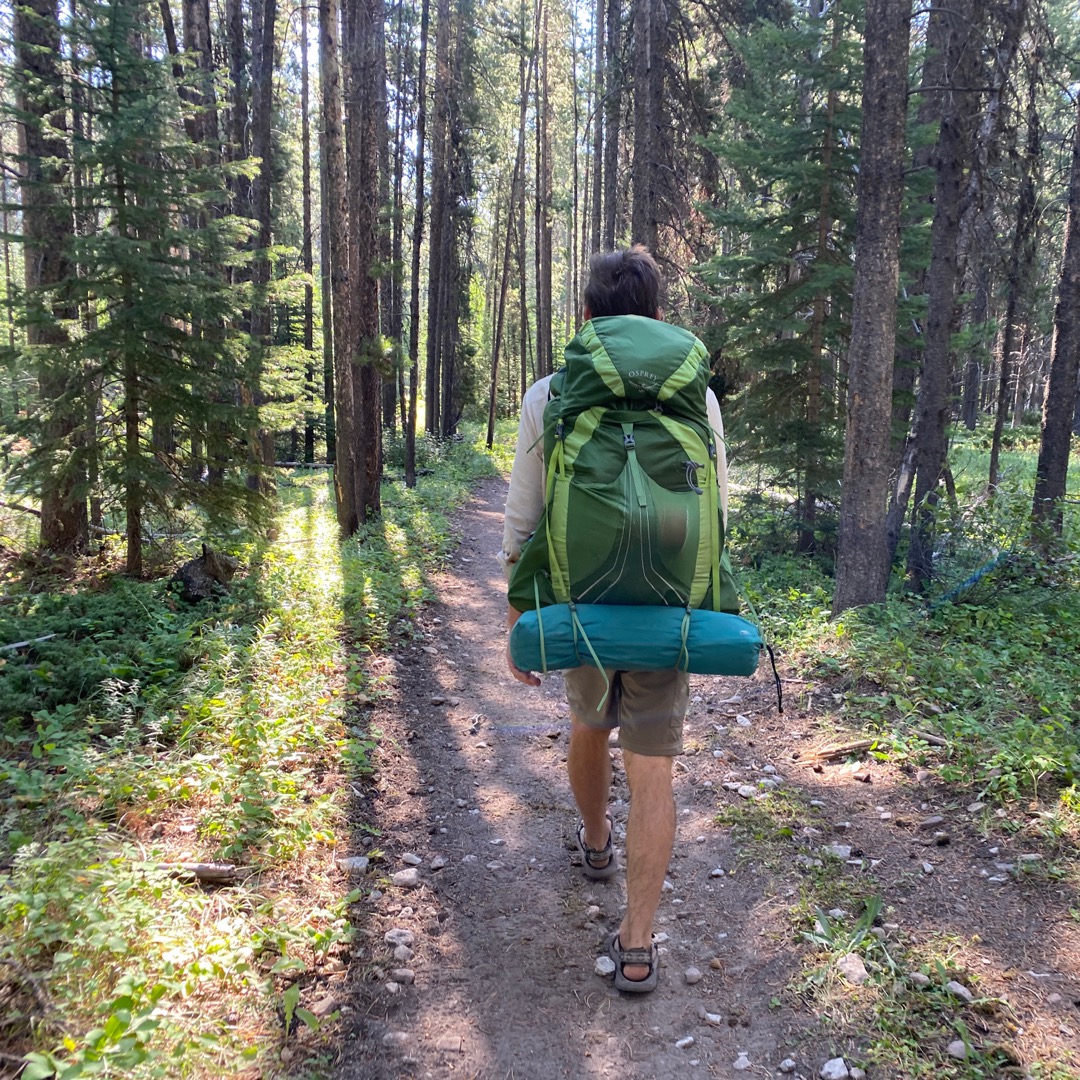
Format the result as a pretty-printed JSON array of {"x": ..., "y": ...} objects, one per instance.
[{"x": 632, "y": 512}]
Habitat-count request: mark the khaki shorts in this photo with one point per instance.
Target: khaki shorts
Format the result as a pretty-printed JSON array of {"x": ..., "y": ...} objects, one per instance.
[{"x": 648, "y": 707}]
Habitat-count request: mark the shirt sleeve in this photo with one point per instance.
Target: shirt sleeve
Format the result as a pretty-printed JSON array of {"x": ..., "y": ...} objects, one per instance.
[
  {"x": 717, "y": 423},
  {"x": 525, "y": 499}
]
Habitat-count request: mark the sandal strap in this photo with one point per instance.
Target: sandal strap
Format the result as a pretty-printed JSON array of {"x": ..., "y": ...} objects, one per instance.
[
  {"x": 636, "y": 956},
  {"x": 603, "y": 855}
]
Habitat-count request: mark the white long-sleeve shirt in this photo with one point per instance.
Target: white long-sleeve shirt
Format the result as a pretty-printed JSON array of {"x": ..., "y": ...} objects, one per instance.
[{"x": 525, "y": 500}]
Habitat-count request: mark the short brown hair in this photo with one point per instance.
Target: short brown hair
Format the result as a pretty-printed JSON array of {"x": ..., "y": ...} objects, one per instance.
[{"x": 623, "y": 282}]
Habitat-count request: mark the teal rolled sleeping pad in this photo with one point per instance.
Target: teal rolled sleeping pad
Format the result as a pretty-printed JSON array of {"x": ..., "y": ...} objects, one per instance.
[{"x": 635, "y": 638}]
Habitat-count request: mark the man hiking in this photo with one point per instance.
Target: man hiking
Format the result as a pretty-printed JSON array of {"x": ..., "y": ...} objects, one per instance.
[{"x": 648, "y": 707}]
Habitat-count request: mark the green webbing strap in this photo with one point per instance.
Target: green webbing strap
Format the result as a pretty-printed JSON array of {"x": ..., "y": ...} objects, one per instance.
[
  {"x": 637, "y": 478},
  {"x": 592, "y": 652},
  {"x": 560, "y": 582},
  {"x": 684, "y": 652},
  {"x": 712, "y": 508},
  {"x": 540, "y": 626}
]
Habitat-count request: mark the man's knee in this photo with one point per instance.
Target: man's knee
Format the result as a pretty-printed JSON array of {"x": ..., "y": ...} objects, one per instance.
[{"x": 649, "y": 770}]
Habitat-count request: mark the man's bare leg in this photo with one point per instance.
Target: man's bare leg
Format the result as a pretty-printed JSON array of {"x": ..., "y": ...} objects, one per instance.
[
  {"x": 588, "y": 763},
  {"x": 650, "y": 837}
]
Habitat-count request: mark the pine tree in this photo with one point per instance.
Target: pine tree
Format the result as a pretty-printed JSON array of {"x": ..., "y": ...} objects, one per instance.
[
  {"x": 783, "y": 279},
  {"x": 163, "y": 342}
]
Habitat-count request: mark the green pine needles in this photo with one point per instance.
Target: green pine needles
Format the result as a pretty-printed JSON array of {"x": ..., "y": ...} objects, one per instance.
[{"x": 149, "y": 340}]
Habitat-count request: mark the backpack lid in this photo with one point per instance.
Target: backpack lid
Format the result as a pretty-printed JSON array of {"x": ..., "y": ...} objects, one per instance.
[{"x": 642, "y": 360}]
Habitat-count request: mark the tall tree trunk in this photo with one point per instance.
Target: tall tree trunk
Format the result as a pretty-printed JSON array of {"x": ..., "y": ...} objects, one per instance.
[
  {"x": 238, "y": 99},
  {"x": 306, "y": 253},
  {"x": 650, "y": 52},
  {"x": 326, "y": 307},
  {"x": 543, "y": 199},
  {"x": 264, "y": 14},
  {"x": 365, "y": 111},
  {"x": 862, "y": 565},
  {"x": 952, "y": 157},
  {"x": 517, "y": 196},
  {"x": 438, "y": 241},
  {"x": 417, "y": 243},
  {"x": 393, "y": 280},
  {"x": 1059, "y": 404},
  {"x": 807, "y": 541},
  {"x": 48, "y": 231},
  {"x": 612, "y": 121},
  {"x": 1018, "y": 275},
  {"x": 336, "y": 247},
  {"x": 595, "y": 236}
]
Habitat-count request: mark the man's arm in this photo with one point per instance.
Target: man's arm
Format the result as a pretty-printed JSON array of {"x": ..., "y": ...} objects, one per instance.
[
  {"x": 525, "y": 500},
  {"x": 717, "y": 424}
]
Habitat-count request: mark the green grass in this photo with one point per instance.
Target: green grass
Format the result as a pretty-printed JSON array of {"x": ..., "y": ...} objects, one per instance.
[
  {"x": 990, "y": 671},
  {"x": 148, "y": 733}
]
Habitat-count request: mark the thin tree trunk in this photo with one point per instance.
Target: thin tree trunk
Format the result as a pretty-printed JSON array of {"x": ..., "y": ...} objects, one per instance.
[
  {"x": 1059, "y": 404},
  {"x": 326, "y": 292},
  {"x": 306, "y": 253},
  {"x": 335, "y": 245},
  {"x": 438, "y": 246},
  {"x": 612, "y": 118},
  {"x": 544, "y": 240},
  {"x": 264, "y": 14},
  {"x": 417, "y": 242},
  {"x": 596, "y": 220},
  {"x": 1018, "y": 275}
]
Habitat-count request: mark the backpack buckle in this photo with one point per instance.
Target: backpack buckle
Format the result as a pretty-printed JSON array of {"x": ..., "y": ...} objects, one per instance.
[{"x": 628, "y": 440}]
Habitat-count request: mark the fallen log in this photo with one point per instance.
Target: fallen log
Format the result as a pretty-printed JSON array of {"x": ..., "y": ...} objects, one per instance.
[{"x": 209, "y": 873}]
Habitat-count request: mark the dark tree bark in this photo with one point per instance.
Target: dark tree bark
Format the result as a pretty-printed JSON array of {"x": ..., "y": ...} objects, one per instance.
[
  {"x": 336, "y": 249},
  {"x": 306, "y": 254},
  {"x": 862, "y": 565},
  {"x": 612, "y": 122},
  {"x": 417, "y": 242},
  {"x": 1018, "y": 277},
  {"x": 1059, "y": 404},
  {"x": 326, "y": 306},
  {"x": 516, "y": 195},
  {"x": 439, "y": 245},
  {"x": 238, "y": 99},
  {"x": 952, "y": 157},
  {"x": 543, "y": 197},
  {"x": 595, "y": 219},
  {"x": 48, "y": 230},
  {"x": 264, "y": 14},
  {"x": 650, "y": 144},
  {"x": 365, "y": 111}
]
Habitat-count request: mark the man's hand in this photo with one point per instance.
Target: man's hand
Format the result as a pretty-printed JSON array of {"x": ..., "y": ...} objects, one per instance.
[{"x": 529, "y": 678}]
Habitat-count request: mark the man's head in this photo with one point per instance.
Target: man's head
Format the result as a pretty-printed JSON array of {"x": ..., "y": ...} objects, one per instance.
[{"x": 623, "y": 282}]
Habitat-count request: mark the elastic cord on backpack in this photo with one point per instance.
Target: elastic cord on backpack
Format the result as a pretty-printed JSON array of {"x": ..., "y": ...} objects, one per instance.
[
  {"x": 776, "y": 676},
  {"x": 540, "y": 626},
  {"x": 578, "y": 628},
  {"x": 684, "y": 652}
]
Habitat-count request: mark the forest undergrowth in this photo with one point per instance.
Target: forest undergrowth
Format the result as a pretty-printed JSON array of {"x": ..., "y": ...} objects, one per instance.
[
  {"x": 148, "y": 735},
  {"x": 142, "y": 735}
]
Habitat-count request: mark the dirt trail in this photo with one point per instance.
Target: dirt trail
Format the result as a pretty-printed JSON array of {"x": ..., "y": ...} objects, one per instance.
[{"x": 502, "y": 939}]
